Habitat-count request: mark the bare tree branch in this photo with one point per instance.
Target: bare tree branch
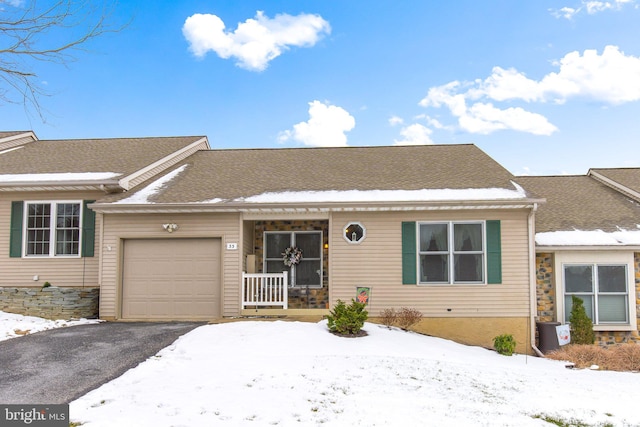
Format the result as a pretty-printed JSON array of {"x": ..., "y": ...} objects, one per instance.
[{"x": 34, "y": 31}]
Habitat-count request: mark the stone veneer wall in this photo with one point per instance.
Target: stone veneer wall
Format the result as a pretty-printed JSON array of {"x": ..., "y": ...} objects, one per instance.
[
  {"x": 299, "y": 297},
  {"x": 545, "y": 289},
  {"x": 51, "y": 302},
  {"x": 546, "y": 300}
]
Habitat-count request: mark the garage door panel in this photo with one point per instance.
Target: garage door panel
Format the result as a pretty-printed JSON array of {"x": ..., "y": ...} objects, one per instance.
[{"x": 171, "y": 279}]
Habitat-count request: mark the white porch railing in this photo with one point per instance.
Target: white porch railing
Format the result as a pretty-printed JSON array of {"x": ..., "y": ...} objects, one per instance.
[{"x": 265, "y": 289}]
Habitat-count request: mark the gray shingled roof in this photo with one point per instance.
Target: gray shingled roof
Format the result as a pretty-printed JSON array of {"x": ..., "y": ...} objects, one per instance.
[
  {"x": 119, "y": 155},
  {"x": 580, "y": 202},
  {"x": 232, "y": 174},
  {"x": 627, "y": 177}
]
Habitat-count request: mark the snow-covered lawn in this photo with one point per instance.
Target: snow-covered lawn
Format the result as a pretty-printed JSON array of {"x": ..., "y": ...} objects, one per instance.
[
  {"x": 298, "y": 374},
  {"x": 15, "y": 325},
  {"x": 291, "y": 373}
]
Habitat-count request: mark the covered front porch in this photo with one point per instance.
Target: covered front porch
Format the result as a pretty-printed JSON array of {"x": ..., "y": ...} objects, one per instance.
[{"x": 272, "y": 286}]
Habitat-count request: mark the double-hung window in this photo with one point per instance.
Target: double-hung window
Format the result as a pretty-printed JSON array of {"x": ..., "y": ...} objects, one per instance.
[
  {"x": 603, "y": 289},
  {"x": 451, "y": 252},
  {"x": 52, "y": 228}
]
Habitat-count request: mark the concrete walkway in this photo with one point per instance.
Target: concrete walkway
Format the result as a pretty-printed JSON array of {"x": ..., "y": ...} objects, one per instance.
[{"x": 60, "y": 365}]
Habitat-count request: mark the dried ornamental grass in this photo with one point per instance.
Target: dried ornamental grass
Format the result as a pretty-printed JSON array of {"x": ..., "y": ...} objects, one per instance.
[{"x": 622, "y": 357}]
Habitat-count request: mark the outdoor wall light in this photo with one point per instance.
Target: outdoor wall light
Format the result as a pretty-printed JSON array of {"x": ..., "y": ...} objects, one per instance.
[{"x": 170, "y": 228}]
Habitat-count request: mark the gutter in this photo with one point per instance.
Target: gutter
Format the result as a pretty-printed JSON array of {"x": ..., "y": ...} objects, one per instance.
[
  {"x": 532, "y": 279},
  {"x": 110, "y": 186},
  {"x": 290, "y": 208}
]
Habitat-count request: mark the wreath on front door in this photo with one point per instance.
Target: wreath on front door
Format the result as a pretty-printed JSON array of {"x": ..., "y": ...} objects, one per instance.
[{"x": 291, "y": 256}]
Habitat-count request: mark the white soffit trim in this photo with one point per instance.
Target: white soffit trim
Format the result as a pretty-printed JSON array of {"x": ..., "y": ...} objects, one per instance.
[
  {"x": 289, "y": 209},
  {"x": 124, "y": 182},
  {"x": 20, "y": 136}
]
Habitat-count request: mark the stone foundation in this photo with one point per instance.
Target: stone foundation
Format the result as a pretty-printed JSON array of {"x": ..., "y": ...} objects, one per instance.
[{"x": 51, "y": 302}]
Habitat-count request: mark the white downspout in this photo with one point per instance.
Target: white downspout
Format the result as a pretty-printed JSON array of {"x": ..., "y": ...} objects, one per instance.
[{"x": 533, "y": 306}]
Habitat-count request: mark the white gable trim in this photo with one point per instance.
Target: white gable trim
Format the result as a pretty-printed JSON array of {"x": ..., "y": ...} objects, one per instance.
[{"x": 125, "y": 182}]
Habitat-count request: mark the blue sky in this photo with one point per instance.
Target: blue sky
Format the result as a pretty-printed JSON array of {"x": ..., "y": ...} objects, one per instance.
[{"x": 544, "y": 87}]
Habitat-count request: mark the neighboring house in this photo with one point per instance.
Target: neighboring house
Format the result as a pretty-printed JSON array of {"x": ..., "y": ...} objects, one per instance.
[
  {"x": 442, "y": 228},
  {"x": 588, "y": 245},
  {"x": 48, "y": 233}
]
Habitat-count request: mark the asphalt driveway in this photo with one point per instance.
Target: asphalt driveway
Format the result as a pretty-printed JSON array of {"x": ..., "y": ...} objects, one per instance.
[{"x": 60, "y": 365}]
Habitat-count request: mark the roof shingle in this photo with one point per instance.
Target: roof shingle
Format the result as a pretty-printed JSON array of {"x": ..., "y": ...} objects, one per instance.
[
  {"x": 119, "y": 155},
  {"x": 581, "y": 203},
  {"x": 241, "y": 173}
]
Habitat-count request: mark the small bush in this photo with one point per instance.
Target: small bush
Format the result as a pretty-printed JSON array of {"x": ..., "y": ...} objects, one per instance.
[
  {"x": 504, "y": 344},
  {"x": 407, "y": 317},
  {"x": 581, "y": 325},
  {"x": 347, "y": 319},
  {"x": 621, "y": 357},
  {"x": 388, "y": 316}
]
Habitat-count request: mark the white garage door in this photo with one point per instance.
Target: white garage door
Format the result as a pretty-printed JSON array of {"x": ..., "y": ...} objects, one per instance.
[{"x": 171, "y": 279}]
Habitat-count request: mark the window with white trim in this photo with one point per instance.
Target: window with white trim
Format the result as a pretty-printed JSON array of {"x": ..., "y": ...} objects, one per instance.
[
  {"x": 603, "y": 289},
  {"x": 52, "y": 228},
  {"x": 451, "y": 252}
]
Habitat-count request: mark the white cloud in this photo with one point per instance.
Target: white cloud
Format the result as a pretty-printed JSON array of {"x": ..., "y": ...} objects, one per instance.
[
  {"x": 415, "y": 134},
  {"x": 255, "y": 42},
  {"x": 565, "y": 12},
  {"x": 591, "y": 7},
  {"x": 611, "y": 77},
  {"x": 395, "y": 120},
  {"x": 485, "y": 118},
  {"x": 326, "y": 126},
  {"x": 13, "y": 3}
]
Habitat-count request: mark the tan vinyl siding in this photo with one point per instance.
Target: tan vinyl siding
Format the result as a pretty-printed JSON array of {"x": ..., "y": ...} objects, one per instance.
[
  {"x": 377, "y": 262},
  {"x": 118, "y": 227},
  {"x": 152, "y": 172},
  {"x": 59, "y": 271}
]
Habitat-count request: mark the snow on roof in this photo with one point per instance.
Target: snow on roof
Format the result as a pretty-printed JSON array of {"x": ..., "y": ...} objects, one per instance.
[
  {"x": 588, "y": 238},
  {"x": 11, "y": 149},
  {"x": 57, "y": 177},
  {"x": 388, "y": 195},
  {"x": 142, "y": 196}
]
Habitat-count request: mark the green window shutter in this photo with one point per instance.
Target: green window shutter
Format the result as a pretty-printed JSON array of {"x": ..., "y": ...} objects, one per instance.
[
  {"x": 494, "y": 252},
  {"x": 88, "y": 229},
  {"x": 409, "y": 272},
  {"x": 15, "y": 239}
]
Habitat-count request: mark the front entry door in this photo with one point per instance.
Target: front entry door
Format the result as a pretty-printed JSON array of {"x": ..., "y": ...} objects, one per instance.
[{"x": 308, "y": 272}]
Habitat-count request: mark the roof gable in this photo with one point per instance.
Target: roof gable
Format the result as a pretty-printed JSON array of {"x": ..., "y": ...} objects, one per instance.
[
  {"x": 77, "y": 163},
  {"x": 11, "y": 139},
  {"x": 625, "y": 180}
]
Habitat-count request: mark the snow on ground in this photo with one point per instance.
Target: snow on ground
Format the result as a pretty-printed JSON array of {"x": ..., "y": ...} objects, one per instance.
[
  {"x": 291, "y": 373},
  {"x": 15, "y": 325}
]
